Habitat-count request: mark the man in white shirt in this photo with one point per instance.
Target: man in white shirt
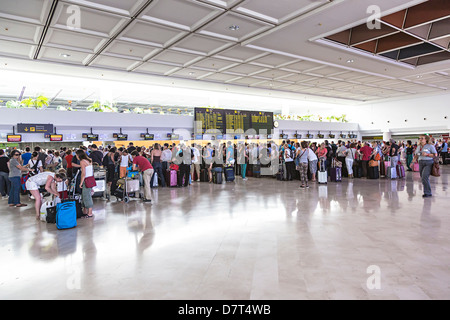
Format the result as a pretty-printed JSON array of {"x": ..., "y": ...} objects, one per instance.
[
  {"x": 195, "y": 162},
  {"x": 166, "y": 157}
]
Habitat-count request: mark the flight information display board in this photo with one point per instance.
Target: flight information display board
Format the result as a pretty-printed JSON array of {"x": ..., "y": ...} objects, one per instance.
[
  {"x": 211, "y": 119},
  {"x": 223, "y": 119}
]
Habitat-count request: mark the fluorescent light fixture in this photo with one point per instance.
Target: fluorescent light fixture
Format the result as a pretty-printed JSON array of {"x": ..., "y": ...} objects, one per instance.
[
  {"x": 234, "y": 27},
  {"x": 65, "y": 55}
]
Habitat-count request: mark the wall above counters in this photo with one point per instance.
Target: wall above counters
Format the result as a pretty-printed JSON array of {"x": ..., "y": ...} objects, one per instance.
[{"x": 72, "y": 124}]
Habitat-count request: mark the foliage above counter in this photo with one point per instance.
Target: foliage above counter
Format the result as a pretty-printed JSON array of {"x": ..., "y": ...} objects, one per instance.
[{"x": 311, "y": 117}]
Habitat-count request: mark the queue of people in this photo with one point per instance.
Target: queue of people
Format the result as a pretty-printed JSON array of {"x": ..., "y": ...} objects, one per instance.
[{"x": 297, "y": 160}]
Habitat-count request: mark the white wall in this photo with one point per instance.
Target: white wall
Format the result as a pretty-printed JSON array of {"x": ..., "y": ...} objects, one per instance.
[
  {"x": 72, "y": 124},
  {"x": 414, "y": 110}
]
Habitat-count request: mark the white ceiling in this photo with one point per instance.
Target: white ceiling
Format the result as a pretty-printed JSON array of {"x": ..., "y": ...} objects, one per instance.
[{"x": 272, "y": 49}]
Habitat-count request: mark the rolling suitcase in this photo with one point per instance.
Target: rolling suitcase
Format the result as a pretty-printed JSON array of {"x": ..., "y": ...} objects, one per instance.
[
  {"x": 173, "y": 178},
  {"x": 373, "y": 173},
  {"x": 391, "y": 173},
  {"x": 335, "y": 172},
  {"x": 322, "y": 174},
  {"x": 257, "y": 171},
  {"x": 66, "y": 215},
  {"x": 204, "y": 175},
  {"x": 229, "y": 174},
  {"x": 400, "y": 171},
  {"x": 217, "y": 177}
]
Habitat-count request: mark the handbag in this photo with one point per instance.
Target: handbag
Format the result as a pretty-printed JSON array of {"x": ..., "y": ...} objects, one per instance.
[
  {"x": 89, "y": 182},
  {"x": 373, "y": 163},
  {"x": 436, "y": 169}
]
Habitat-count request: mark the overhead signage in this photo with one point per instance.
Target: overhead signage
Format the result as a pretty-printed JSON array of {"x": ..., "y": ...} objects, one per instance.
[
  {"x": 175, "y": 137},
  {"x": 222, "y": 120},
  {"x": 14, "y": 138},
  {"x": 148, "y": 136},
  {"x": 56, "y": 137},
  {"x": 90, "y": 136},
  {"x": 120, "y": 136},
  {"x": 34, "y": 128}
]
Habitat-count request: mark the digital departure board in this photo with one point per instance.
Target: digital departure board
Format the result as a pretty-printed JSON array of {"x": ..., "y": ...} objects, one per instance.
[
  {"x": 210, "y": 119},
  {"x": 222, "y": 119}
]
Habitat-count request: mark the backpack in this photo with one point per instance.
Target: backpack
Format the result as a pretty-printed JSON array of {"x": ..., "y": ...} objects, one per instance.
[{"x": 106, "y": 160}]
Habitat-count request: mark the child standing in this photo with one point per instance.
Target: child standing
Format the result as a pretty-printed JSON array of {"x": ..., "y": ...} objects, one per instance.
[{"x": 125, "y": 161}]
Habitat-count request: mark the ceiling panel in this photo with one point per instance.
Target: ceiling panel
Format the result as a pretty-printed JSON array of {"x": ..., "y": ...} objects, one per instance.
[
  {"x": 92, "y": 21},
  {"x": 173, "y": 57},
  {"x": 33, "y": 11},
  {"x": 201, "y": 45},
  {"x": 63, "y": 55},
  {"x": 19, "y": 31},
  {"x": 212, "y": 64},
  {"x": 277, "y": 11},
  {"x": 73, "y": 41},
  {"x": 151, "y": 34},
  {"x": 234, "y": 27},
  {"x": 183, "y": 14},
  {"x": 17, "y": 49},
  {"x": 126, "y": 8},
  {"x": 129, "y": 50},
  {"x": 155, "y": 68},
  {"x": 112, "y": 62}
]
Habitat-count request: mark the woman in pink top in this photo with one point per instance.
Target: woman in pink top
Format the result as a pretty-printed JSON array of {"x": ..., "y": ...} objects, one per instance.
[{"x": 322, "y": 154}]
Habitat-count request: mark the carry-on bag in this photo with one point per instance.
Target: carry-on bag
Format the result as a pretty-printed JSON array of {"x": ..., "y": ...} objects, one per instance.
[
  {"x": 66, "y": 215},
  {"x": 229, "y": 174}
]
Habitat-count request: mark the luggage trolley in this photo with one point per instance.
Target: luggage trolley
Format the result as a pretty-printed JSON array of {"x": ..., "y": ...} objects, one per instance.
[
  {"x": 100, "y": 179},
  {"x": 129, "y": 187}
]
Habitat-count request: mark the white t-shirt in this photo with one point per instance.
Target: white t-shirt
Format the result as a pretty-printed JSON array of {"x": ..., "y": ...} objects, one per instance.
[
  {"x": 124, "y": 161},
  {"x": 32, "y": 162},
  {"x": 41, "y": 178},
  {"x": 287, "y": 155},
  {"x": 196, "y": 156},
  {"x": 311, "y": 155}
]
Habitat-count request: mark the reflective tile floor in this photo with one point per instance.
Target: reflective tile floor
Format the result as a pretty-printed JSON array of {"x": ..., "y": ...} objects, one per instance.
[{"x": 255, "y": 239}]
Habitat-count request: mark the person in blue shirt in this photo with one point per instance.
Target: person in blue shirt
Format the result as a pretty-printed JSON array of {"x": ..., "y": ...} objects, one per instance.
[
  {"x": 444, "y": 151},
  {"x": 424, "y": 154},
  {"x": 26, "y": 156}
]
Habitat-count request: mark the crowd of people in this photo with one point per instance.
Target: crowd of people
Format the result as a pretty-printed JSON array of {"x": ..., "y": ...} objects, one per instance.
[{"x": 53, "y": 169}]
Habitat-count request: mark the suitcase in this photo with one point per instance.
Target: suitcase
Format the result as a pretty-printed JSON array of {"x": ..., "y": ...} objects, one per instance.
[
  {"x": 373, "y": 173},
  {"x": 154, "y": 180},
  {"x": 256, "y": 171},
  {"x": 217, "y": 177},
  {"x": 415, "y": 167},
  {"x": 322, "y": 174},
  {"x": 400, "y": 171},
  {"x": 336, "y": 174},
  {"x": 66, "y": 215},
  {"x": 229, "y": 174},
  {"x": 204, "y": 175},
  {"x": 391, "y": 173},
  {"x": 173, "y": 178},
  {"x": 382, "y": 170}
]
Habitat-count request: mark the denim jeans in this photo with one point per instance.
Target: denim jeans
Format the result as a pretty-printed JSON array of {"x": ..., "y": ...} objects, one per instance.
[
  {"x": 158, "y": 168},
  {"x": 4, "y": 182},
  {"x": 14, "y": 193},
  {"x": 425, "y": 171}
]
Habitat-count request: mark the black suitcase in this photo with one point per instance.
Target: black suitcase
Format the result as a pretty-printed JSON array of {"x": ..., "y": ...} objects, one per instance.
[
  {"x": 256, "y": 171},
  {"x": 217, "y": 177},
  {"x": 204, "y": 175},
  {"x": 336, "y": 174},
  {"x": 373, "y": 173}
]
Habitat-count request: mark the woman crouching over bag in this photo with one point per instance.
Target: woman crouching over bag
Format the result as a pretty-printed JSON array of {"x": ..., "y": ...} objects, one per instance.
[{"x": 47, "y": 179}]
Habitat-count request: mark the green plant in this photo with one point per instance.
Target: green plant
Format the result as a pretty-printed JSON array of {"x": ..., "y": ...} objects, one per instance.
[
  {"x": 13, "y": 104},
  {"x": 97, "y": 106},
  {"x": 138, "y": 110},
  {"x": 38, "y": 103}
]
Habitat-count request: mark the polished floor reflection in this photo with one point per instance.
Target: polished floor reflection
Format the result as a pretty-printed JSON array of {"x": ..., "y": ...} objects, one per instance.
[{"x": 255, "y": 239}]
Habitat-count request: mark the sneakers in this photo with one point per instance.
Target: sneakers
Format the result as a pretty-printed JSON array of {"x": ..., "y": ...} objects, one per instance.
[{"x": 245, "y": 179}]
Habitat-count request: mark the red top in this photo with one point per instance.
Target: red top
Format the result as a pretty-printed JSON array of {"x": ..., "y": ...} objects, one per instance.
[
  {"x": 69, "y": 160},
  {"x": 142, "y": 163},
  {"x": 366, "y": 151}
]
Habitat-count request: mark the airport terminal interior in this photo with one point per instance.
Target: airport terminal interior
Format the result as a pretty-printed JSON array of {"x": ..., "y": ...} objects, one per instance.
[{"x": 247, "y": 150}]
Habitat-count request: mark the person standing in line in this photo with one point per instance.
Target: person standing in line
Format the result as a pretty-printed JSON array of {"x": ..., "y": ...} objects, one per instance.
[
  {"x": 312, "y": 160},
  {"x": 87, "y": 170},
  {"x": 321, "y": 153},
  {"x": 166, "y": 157},
  {"x": 15, "y": 173},
  {"x": 5, "y": 184},
  {"x": 409, "y": 154},
  {"x": 289, "y": 155},
  {"x": 393, "y": 153},
  {"x": 26, "y": 156},
  {"x": 425, "y": 154},
  {"x": 142, "y": 163},
  {"x": 366, "y": 152},
  {"x": 243, "y": 159},
  {"x": 303, "y": 164},
  {"x": 349, "y": 158},
  {"x": 125, "y": 161},
  {"x": 156, "y": 156},
  {"x": 444, "y": 152}
]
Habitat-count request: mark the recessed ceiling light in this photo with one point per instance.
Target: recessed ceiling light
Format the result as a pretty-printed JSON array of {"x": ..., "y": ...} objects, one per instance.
[
  {"x": 350, "y": 61},
  {"x": 191, "y": 73},
  {"x": 233, "y": 27},
  {"x": 65, "y": 55}
]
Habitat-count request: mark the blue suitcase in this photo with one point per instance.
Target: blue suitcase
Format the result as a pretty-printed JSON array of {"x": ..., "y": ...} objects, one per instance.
[
  {"x": 229, "y": 174},
  {"x": 66, "y": 215}
]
